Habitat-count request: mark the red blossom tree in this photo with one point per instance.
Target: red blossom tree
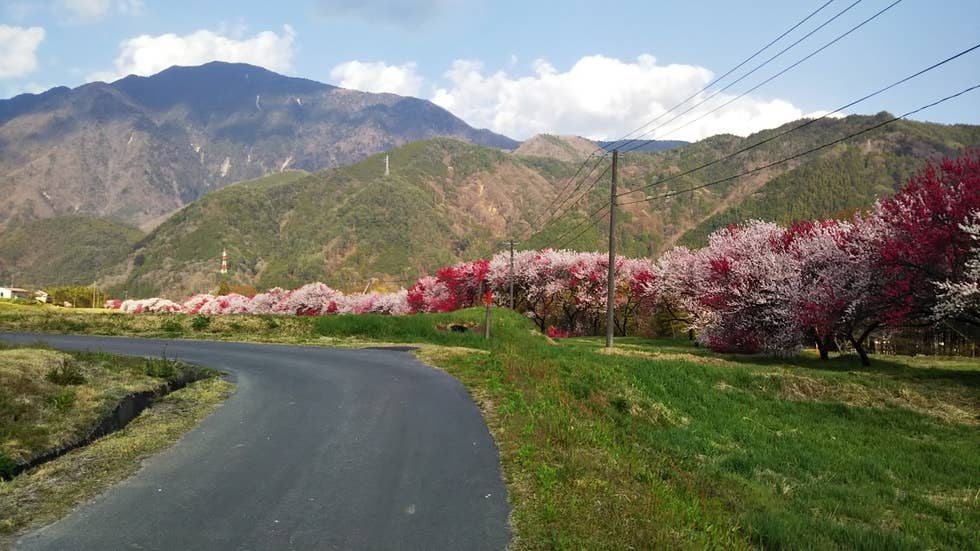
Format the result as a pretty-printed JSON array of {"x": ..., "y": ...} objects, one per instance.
[{"x": 923, "y": 240}]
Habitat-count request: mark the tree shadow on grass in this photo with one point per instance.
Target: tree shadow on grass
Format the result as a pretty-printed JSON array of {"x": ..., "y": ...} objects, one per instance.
[{"x": 940, "y": 369}]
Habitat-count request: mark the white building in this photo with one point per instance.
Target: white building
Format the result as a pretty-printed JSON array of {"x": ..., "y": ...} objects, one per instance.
[{"x": 14, "y": 292}]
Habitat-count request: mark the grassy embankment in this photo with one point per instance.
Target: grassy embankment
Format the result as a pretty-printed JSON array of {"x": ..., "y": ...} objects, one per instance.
[
  {"x": 51, "y": 399},
  {"x": 662, "y": 444}
]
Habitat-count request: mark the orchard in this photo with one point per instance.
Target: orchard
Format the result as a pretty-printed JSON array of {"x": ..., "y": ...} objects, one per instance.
[{"x": 912, "y": 260}]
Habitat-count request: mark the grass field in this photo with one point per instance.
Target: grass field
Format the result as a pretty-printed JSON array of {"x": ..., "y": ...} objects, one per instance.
[{"x": 664, "y": 444}]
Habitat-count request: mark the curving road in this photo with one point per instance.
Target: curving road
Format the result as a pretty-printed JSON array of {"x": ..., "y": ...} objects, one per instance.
[{"x": 318, "y": 449}]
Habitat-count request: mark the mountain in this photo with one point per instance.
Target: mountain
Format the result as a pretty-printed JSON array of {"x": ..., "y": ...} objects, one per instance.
[
  {"x": 444, "y": 200},
  {"x": 447, "y": 200},
  {"x": 562, "y": 148},
  {"x": 140, "y": 148},
  {"x": 577, "y": 148}
]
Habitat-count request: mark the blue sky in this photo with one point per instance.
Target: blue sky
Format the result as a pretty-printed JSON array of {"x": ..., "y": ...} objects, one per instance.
[{"x": 519, "y": 68}]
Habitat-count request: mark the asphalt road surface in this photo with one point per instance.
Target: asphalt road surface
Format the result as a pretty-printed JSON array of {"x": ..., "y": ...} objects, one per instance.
[{"x": 318, "y": 449}]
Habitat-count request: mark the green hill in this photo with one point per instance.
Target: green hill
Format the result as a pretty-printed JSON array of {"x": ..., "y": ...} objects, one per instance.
[
  {"x": 444, "y": 200},
  {"x": 67, "y": 250},
  {"x": 850, "y": 177}
]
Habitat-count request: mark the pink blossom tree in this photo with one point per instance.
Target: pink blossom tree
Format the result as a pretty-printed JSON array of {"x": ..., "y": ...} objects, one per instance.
[
  {"x": 747, "y": 290},
  {"x": 312, "y": 299},
  {"x": 835, "y": 277}
]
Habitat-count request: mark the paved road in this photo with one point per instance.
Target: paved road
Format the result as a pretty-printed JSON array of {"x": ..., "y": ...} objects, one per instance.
[{"x": 318, "y": 449}]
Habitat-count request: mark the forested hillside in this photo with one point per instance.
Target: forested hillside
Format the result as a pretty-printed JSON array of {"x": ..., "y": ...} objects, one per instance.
[{"x": 446, "y": 201}]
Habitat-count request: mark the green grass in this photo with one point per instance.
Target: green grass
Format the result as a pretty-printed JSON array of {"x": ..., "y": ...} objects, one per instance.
[
  {"x": 662, "y": 444},
  {"x": 463, "y": 328}
]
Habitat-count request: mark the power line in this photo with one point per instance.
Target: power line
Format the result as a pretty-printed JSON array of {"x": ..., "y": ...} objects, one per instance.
[
  {"x": 807, "y": 152},
  {"x": 588, "y": 222},
  {"x": 712, "y": 83},
  {"x": 768, "y": 80},
  {"x": 583, "y": 196},
  {"x": 807, "y": 123},
  {"x": 553, "y": 216},
  {"x": 567, "y": 183},
  {"x": 739, "y": 79}
]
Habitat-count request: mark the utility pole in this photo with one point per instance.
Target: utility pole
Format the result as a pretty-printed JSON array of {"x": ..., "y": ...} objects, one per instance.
[
  {"x": 611, "y": 277},
  {"x": 511, "y": 244},
  {"x": 487, "y": 299},
  {"x": 368, "y": 286}
]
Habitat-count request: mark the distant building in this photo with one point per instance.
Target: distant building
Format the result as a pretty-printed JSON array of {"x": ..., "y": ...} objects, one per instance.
[
  {"x": 41, "y": 296},
  {"x": 14, "y": 292}
]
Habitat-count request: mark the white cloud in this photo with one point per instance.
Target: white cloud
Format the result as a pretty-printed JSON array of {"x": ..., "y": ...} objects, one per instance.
[
  {"x": 146, "y": 55},
  {"x": 599, "y": 97},
  {"x": 87, "y": 11},
  {"x": 378, "y": 77},
  {"x": 18, "y": 50}
]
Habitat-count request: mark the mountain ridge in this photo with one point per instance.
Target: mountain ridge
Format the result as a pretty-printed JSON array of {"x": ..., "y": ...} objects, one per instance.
[{"x": 141, "y": 147}]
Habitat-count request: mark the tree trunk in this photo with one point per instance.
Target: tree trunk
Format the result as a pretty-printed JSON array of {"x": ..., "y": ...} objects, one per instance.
[
  {"x": 859, "y": 347},
  {"x": 858, "y": 344},
  {"x": 823, "y": 348}
]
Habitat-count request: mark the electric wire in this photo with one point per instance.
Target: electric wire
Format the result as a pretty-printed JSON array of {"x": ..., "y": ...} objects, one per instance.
[
  {"x": 763, "y": 83},
  {"x": 739, "y": 79},
  {"x": 548, "y": 209},
  {"x": 584, "y": 195},
  {"x": 589, "y": 221},
  {"x": 804, "y": 153},
  {"x": 806, "y": 123}
]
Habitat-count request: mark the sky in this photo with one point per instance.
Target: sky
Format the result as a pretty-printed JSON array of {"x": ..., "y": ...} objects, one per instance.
[{"x": 520, "y": 67}]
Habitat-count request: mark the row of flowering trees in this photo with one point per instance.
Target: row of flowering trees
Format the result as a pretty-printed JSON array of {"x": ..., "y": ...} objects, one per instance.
[
  {"x": 913, "y": 260},
  {"x": 314, "y": 299}
]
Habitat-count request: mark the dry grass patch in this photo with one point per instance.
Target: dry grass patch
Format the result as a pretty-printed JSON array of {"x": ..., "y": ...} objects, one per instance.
[
  {"x": 950, "y": 406},
  {"x": 638, "y": 352},
  {"x": 49, "y": 399}
]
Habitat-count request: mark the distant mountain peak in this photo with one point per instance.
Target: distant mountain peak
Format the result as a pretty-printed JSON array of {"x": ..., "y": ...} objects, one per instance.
[
  {"x": 142, "y": 146},
  {"x": 562, "y": 148}
]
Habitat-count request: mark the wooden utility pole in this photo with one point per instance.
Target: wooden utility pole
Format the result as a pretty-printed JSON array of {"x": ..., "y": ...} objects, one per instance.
[
  {"x": 511, "y": 244},
  {"x": 487, "y": 300},
  {"x": 611, "y": 277}
]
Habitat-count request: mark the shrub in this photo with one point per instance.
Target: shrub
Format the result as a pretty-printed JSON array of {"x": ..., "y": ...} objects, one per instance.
[
  {"x": 67, "y": 373},
  {"x": 64, "y": 400},
  {"x": 163, "y": 368},
  {"x": 7, "y": 467},
  {"x": 172, "y": 326},
  {"x": 200, "y": 322},
  {"x": 556, "y": 333}
]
